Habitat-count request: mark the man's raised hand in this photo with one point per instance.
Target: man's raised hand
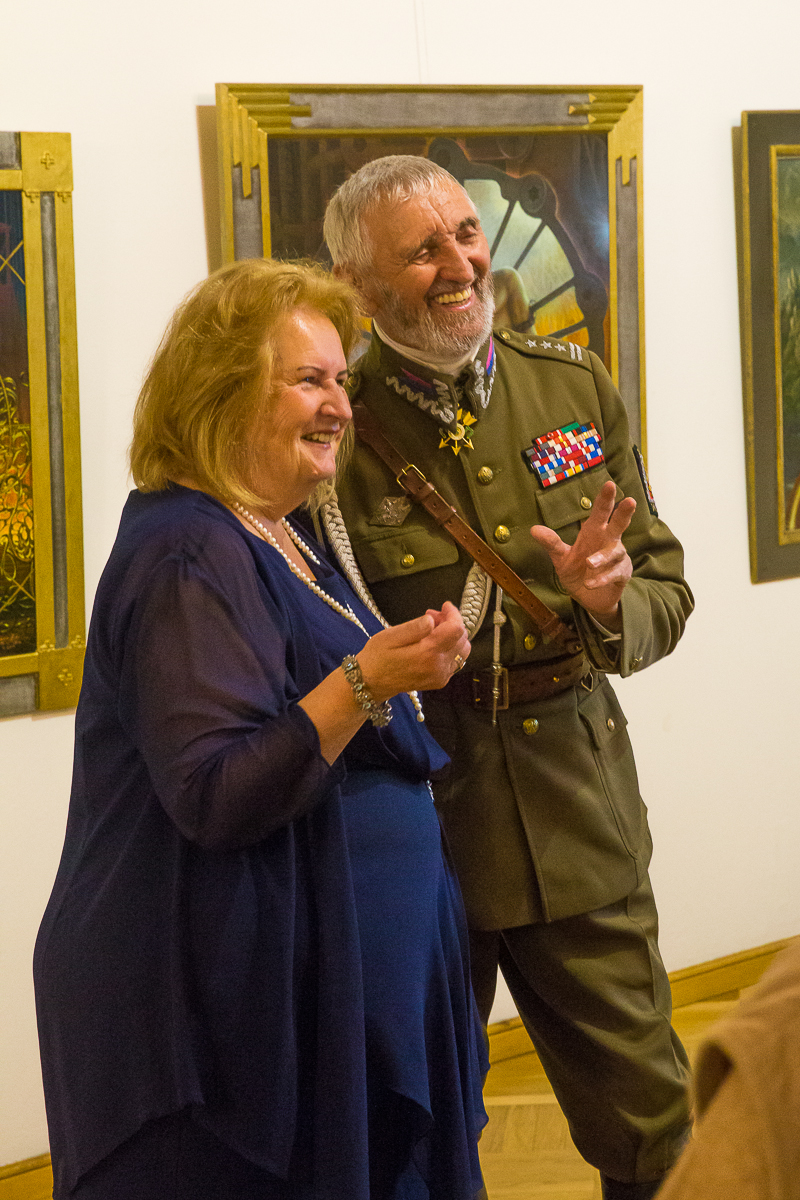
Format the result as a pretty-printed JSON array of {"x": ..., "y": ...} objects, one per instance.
[{"x": 596, "y": 569}]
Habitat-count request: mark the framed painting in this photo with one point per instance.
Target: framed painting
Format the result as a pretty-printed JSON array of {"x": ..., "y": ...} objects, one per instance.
[
  {"x": 42, "y": 622},
  {"x": 555, "y": 173},
  {"x": 767, "y": 156}
]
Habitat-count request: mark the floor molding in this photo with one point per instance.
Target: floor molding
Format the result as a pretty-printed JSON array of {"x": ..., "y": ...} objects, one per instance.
[
  {"x": 719, "y": 979},
  {"x": 30, "y": 1179}
]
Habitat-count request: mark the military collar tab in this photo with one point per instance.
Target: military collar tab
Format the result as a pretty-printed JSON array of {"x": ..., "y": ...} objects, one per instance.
[
  {"x": 446, "y": 398},
  {"x": 477, "y": 377},
  {"x": 546, "y": 347}
]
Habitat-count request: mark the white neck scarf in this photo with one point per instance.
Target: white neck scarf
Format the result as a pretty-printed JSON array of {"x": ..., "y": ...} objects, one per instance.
[{"x": 443, "y": 366}]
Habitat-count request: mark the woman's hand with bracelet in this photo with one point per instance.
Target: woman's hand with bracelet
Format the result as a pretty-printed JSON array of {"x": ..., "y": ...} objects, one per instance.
[{"x": 419, "y": 655}]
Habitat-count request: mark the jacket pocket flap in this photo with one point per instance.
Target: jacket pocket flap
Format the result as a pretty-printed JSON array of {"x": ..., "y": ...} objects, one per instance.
[
  {"x": 403, "y": 553},
  {"x": 603, "y": 717},
  {"x": 571, "y": 501}
]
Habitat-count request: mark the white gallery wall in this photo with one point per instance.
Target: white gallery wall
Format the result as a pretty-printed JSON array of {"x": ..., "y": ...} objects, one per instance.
[{"x": 714, "y": 726}]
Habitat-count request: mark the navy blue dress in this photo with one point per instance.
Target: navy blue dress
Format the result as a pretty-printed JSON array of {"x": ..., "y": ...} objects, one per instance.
[{"x": 238, "y": 929}]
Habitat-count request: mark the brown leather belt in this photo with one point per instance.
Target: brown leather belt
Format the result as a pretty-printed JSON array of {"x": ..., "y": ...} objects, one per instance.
[{"x": 520, "y": 684}]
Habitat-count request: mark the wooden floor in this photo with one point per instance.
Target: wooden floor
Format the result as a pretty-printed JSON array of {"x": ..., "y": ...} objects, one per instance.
[{"x": 526, "y": 1151}]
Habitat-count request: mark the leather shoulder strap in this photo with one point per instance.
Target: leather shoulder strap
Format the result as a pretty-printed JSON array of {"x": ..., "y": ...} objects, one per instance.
[{"x": 417, "y": 487}]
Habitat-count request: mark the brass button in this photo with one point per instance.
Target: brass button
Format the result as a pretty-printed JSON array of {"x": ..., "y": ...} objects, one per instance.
[
  {"x": 585, "y": 502},
  {"x": 407, "y": 560},
  {"x": 485, "y": 475},
  {"x": 610, "y": 724},
  {"x": 530, "y": 641},
  {"x": 505, "y": 335},
  {"x": 635, "y": 662},
  {"x": 531, "y": 725},
  {"x": 501, "y": 534}
]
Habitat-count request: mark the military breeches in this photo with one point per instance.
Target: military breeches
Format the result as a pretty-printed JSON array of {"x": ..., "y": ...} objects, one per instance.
[{"x": 595, "y": 999}]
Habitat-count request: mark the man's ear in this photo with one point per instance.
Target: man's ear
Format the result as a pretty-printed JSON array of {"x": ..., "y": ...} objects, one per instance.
[{"x": 346, "y": 273}]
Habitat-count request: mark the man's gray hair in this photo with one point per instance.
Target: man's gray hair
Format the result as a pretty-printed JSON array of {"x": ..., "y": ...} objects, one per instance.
[{"x": 395, "y": 177}]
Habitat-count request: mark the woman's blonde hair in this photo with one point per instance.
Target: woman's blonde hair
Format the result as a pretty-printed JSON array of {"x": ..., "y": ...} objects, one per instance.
[{"x": 208, "y": 381}]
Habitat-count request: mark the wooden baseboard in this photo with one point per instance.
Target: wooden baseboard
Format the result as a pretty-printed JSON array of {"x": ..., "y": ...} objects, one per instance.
[
  {"x": 719, "y": 979},
  {"x": 30, "y": 1179},
  {"x": 722, "y": 978}
]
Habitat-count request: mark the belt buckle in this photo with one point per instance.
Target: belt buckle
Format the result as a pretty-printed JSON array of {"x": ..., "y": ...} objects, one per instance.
[
  {"x": 501, "y": 677},
  {"x": 410, "y": 469}
]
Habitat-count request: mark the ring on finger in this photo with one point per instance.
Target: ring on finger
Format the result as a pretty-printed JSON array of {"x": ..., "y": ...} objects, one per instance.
[{"x": 458, "y": 662}]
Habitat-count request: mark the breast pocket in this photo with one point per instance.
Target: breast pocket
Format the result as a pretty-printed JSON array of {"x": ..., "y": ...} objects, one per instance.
[{"x": 569, "y": 503}]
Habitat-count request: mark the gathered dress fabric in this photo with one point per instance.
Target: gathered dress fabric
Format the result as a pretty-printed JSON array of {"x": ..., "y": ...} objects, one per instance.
[{"x": 240, "y": 933}]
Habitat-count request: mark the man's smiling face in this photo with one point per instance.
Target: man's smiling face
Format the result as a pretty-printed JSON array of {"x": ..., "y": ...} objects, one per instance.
[{"x": 430, "y": 284}]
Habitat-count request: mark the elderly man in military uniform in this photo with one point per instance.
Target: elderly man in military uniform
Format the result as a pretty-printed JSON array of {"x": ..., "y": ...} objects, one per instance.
[{"x": 541, "y": 806}]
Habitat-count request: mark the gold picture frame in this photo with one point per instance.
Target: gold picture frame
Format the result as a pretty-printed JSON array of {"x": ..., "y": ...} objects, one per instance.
[
  {"x": 767, "y": 174},
  {"x": 42, "y": 619},
  {"x": 283, "y": 148}
]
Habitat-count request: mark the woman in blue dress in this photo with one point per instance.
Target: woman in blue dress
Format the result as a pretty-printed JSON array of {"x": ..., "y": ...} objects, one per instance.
[{"x": 252, "y": 976}]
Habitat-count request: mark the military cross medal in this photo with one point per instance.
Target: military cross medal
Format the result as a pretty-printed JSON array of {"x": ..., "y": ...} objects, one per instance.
[{"x": 460, "y": 438}]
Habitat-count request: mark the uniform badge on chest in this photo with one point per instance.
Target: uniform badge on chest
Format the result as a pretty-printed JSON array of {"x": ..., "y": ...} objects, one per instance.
[
  {"x": 557, "y": 455},
  {"x": 392, "y": 510}
]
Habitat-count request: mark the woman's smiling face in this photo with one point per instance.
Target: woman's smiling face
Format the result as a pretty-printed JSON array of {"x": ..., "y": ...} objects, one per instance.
[{"x": 297, "y": 436}]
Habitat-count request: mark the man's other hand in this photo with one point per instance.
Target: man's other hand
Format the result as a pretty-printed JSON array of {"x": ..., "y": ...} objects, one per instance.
[{"x": 596, "y": 569}]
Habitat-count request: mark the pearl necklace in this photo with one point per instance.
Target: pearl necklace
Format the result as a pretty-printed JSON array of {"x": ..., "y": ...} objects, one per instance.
[{"x": 344, "y": 610}]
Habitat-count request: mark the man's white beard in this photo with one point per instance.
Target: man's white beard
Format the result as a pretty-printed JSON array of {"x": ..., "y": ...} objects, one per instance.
[{"x": 447, "y": 334}]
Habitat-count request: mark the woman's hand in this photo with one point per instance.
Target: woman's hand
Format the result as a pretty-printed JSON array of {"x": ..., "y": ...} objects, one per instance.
[{"x": 419, "y": 655}]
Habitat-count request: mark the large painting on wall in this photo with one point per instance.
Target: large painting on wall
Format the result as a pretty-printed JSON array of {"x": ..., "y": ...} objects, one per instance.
[
  {"x": 41, "y": 555},
  {"x": 555, "y": 174},
  {"x": 768, "y": 153}
]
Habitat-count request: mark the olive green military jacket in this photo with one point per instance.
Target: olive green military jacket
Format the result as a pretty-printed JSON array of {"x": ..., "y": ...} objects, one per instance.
[{"x": 541, "y": 826}]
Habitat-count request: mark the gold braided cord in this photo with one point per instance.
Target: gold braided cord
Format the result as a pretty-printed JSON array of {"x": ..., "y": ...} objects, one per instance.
[
  {"x": 474, "y": 598},
  {"x": 338, "y": 537}
]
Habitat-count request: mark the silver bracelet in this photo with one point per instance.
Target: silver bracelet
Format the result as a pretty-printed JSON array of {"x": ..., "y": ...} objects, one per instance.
[{"x": 379, "y": 714}]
